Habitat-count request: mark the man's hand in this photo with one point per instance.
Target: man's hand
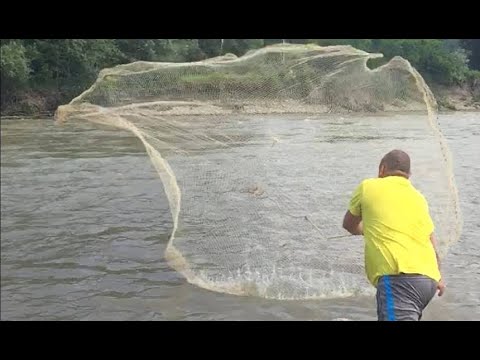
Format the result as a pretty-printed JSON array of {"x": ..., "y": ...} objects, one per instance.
[
  {"x": 353, "y": 224},
  {"x": 441, "y": 287}
]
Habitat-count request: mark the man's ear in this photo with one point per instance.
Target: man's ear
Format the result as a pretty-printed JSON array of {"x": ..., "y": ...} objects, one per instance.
[{"x": 381, "y": 170}]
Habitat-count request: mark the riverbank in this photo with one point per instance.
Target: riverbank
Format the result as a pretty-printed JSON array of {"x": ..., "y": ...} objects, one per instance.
[
  {"x": 44, "y": 104},
  {"x": 34, "y": 104},
  {"x": 460, "y": 98}
]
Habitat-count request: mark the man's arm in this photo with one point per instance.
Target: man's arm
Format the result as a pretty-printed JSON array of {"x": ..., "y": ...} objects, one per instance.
[
  {"x": 352, "y": 221},
  {"x": 434, "y": 243},
  {"x": 441, "y": 284},
  {"x": 353, "y": 224}
]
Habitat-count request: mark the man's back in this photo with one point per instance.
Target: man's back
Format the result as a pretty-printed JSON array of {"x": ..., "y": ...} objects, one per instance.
[{"x": 396, "y": 227}]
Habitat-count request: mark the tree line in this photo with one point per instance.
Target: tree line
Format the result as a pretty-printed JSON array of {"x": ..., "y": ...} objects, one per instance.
[{"x": 40, "y": 74}]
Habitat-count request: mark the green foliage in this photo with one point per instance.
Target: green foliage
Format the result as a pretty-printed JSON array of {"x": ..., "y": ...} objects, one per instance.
[
  {"x": 442, "y": 61},
  {"x": 210, "y": 47},
  {"x": 473, "y": 48},
  {"x": 189, "y": 50},
  {"x": 272, "y": 41},
  {"x": 435, "y": 61},
  {"x": 14, "y": 69},
  {"x": 216, "y": 81},
  {"x": 473, "y": 75},
  {"x": 361, "y": 44},
  {"x": 13, "y": 62},
  {"x": 67, "y": 67},
  {"x": 67, "y": 61},
  {"x": 142, "y": 49}
]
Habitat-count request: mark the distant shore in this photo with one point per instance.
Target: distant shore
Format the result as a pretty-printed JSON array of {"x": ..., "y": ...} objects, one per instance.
[{"x": 41, "y": 105}]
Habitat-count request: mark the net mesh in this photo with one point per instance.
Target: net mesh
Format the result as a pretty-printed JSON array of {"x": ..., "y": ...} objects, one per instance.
[{"x": 259, "y": 155}]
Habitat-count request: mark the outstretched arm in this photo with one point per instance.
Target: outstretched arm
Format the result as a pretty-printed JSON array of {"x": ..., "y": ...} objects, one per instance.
[{"x": 353, "y": 224}]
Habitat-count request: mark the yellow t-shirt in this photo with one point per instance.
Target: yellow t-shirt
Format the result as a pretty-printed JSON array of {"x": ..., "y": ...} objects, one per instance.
[{"x": 396, "y": 227}]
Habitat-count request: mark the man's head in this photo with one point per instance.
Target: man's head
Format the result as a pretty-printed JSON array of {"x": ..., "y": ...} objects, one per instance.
[{"x": 396, "y": 163}]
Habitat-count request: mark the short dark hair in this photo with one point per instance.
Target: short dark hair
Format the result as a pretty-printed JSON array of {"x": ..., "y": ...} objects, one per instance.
[{"x": 397, "y": 160}]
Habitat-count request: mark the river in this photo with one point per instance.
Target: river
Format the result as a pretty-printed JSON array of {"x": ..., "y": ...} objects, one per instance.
[{"x": 83, "y": 234}]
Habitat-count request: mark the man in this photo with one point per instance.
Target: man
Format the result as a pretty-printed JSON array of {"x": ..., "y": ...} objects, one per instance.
[{"x": 401, "y": 258}]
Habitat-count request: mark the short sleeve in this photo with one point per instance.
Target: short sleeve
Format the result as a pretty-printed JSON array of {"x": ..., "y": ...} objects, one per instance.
[{"x": 356, "y": 201}]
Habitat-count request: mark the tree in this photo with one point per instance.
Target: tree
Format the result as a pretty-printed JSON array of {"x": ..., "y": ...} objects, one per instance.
[
  {"x": 434, "y": 59},
  {"x": 211, "y": 47},
  {"x": 143, "y": 49},
  {"x": 14, "y": 69},
  {"x": 185, "y": 50},
  {"x": 272, "y": 41},
  {"x": 240, "y": 46},
  {"x": 473, "y": 46}
]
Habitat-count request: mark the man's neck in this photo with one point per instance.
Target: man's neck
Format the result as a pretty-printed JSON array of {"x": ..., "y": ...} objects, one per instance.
[{"x": 397, "y": 173}]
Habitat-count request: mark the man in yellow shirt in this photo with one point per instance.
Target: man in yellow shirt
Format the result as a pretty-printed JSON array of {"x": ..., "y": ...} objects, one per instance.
[{"x": 401, "y": 259}]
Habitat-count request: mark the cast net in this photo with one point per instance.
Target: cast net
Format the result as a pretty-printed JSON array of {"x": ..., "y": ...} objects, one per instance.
[{"x": 259, "y": 155}]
